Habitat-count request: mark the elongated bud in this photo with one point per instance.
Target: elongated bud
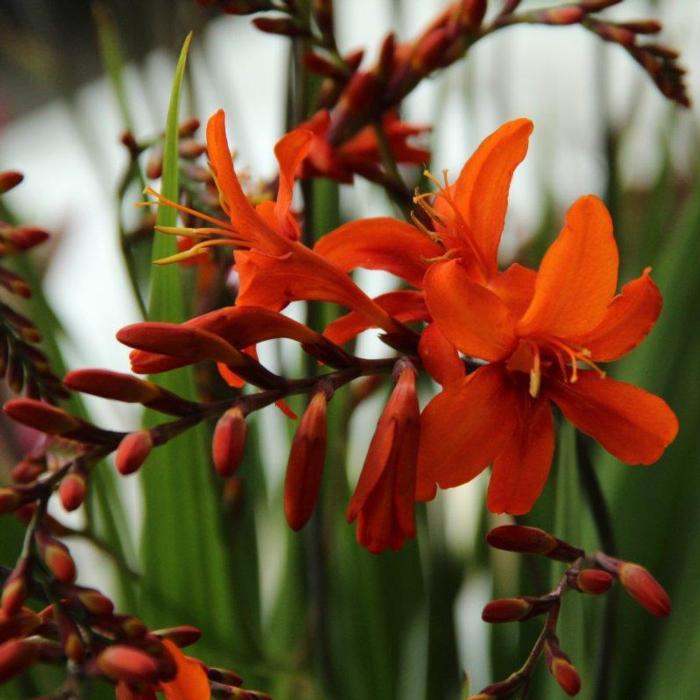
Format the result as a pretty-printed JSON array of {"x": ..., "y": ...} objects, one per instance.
[
  {"x": 532, "y": 540},
  {"x": 93, "y": 601},
  {"x": 16, "y": 656},
  {"x": 132, "y": 451},
  {"x": 10, "y": 500},
  {"x": 111, "y": 385},
  {"x": 306, "y": 461},
  {"x": 27, "y": 470},
  {"x": 224, "y": 675},
  {"x": 594, "y": 581},
  {"x": 21, "y": 624},
  {"x": 14, "y": 283},
  {"x": 72, "y": 490},
  {"x": 228, "y": 442},
  {"x": 190, "y": 149},
  {"x": 182, "y": 636},
  {"x": 26, "y": 237},
  {"x": 506, "y": 610},
  {"x": 9, "y": 179},
  {"x": 41, "y": 416},
  {"x": 279, "y": 25},
  {"x": 645, "y": 589},
  {"x": 16, "y": 587},
  {"x": 154, "y": 164},
  {"x": 571, "y": 14},
  {"x": 188, "y": 127},
  {"x": 561, "y": 668},
  {"x": 473, "y": 12},
  {"x": 70, "y": 638},
  {"x": 124, "y": 663},
  {"x": 56, "y": 556}
]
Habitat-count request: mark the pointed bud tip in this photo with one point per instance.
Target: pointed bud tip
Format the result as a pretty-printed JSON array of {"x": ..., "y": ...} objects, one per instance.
[
  {"x": 594, "y": 581},
  {"x": 566, "y": 675},
  {"x": 506, "y": 610},
  {"x": 120, "y": 662},
  {"x": 228, "y": 442},
  {"x": 645, "y": 589},
  {"x": 132, "y": 451}
]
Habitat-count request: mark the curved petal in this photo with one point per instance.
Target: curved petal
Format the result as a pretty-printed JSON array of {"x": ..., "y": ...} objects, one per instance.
[
  {"x": 190, "y": 682},
  {"x": 380, "y": 243},
  {"x": 290, "y": 151},
  {"x": 628, "y": 320},
  {"x": 405, "y": 305},
  {"x": 515, "y": 286},
  {"x": 578, "y": 275},
  {"x": 247, "y": 223},
  {"x": 520, "y": 471},
  {"x": 440, "y": 358},
  {"x": 630, "y": 423},
  {"x": 465, "y": 427},
  {"x": 481, "y": 190},
  {"x": 470, "y": 316}
]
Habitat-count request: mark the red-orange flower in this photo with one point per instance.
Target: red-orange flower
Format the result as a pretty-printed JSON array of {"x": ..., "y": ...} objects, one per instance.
[
  {"x": 537, "y": 344},
  {"x": 383, "y": 502}
]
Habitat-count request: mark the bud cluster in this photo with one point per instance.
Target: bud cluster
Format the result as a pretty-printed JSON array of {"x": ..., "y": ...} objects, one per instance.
[{"x": 587, "y": 573}]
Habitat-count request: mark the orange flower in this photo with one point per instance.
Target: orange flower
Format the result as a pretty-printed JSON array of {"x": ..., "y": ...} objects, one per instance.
[
  {"x": 361, "y": 153},
  {"x": 383, "y": 502},
  {"x": 537, "y": 343}
]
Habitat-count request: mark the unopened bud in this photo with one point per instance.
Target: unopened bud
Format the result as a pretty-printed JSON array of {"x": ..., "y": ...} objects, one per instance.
[
  {"x": 41, "y": 416},
  {"x": 111, "y": 385},
  {"x": 430, "y": 50},
  {"x": 9, "y": 179},
  {"x": 26, "y": 237},
  {"x": 228, "y": 442},
  {"x": 594, "y": 581},
  {"x": 182, "y": 636},
  {"x": 93, "y": 601},
  {"x": 70, "y": 638},
  {"x": 506, "y": 610},
  {"x": 190, "y": 149},
  {"x": 120, "y": 662},
  {"x": 27, "y": 470},
  {"x": 56, "y": 556},
  {"x": 21, "y": 624},
  {"x": 280, "y": 25},
  {"x": 306, "y": 461},
  {"x": 15, "y": 590},
  {"x": 473, "y": 12},
  {"x": 225, "y": 676},
  {"x": 188, "y": 127},
  {"x": 132, "y": 451},
  {"x": 643, "y": 26},
  {"x": 14, "y": 283},
  {"x": 562, "y": 669},
  {"x": 72, "y": 491},
  {"x": 645, "y": 589},
  {"x": 10, "y": 500},
  {"x": 16, "y": 656},
  {"x": 616, "y": 34},
  {"x": 532, "y": 540}
]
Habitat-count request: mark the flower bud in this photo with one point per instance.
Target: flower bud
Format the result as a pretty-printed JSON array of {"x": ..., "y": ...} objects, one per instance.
[
  {"x": 9, "y": 179},
  {"x": 93, "y": 601},
  {"x": 188, "y": 127},
  {"x": 56, "y": 556},
  {"x": 473, "y": 12},
  {"x": 120, "y": 662},
  {"x": 16, "y": 656},
  {"x": 70, "y": 638},
  {"x": 72, "y": 491},
  {"x": 571, "y": 14},
  {"x": 26, "y": 237},
  {"x": 41, "y": 416},
  {"x": 15, "y": 590},
  {"x": 562, "y": 669},
  {"x": 132, "y": 451},
  {"x": 506, "y": 610},
  {"x": 21, "y": 624},
  {"x": 279, "y": 25},
  {"x": 111, "y": 385},
  {"x": 305, "y": 466},
  {"x": 228, "y": 442},
  {"x": 594, "y": 581},
  {"x": 532, "y": 540},
  {"x": 645, "y": 589},
  {"x": 27, "y": 470},
  {"x": 154, "y": 165},
  {"x": 10, "y": 500},
  {"x": 225, "y": 676},
  {"x": 14, "y": 283},
  {"x": 182, "y": 636}
]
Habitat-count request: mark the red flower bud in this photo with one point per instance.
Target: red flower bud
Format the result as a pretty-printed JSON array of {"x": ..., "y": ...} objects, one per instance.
[
  {"x": 532, "y": 540},
  {"x": 72, "y": 491},
  {"x": 225, "y": 676},
  {"x": 645, "y": 589},
  {"x": 70, "y": 638},
  {"x": 21, "y": 624},
  {"x": 228, "y": 442},
  {"x": 279, "y": 25},
  {"x": 120, "y": 662},
  {"x": 10, "y": 500},
  {"x": 16, "y": 656},
  {"x": 26, "y": 237},
  {"x": 133, "y": 450},
  {"x": 9, "y": 179},
  {"x": 111, "y": 385},
  {"x": 473, "y": 12},
  {"x": 14, "y": 283},
  {"x": 306, "y": 461},
  {"x": 506, "y": 610},
  {"x": 594, "y": 581},
  {"x": 182, "y": 636},
  {"x": 56, "y": 557},
  {"x": 571, "y": 14},
  {"x": 15, "y": 590},
  {"x": 188, "y": 127},
  {"x": 93, "y": 601},
  {"x": 41, "y": 416},
  {"x": 561, "y": 668},
  {"x": 27, "y": 470}
]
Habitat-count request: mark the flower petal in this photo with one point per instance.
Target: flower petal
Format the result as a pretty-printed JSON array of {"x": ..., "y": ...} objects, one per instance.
[
  {"x": 247, "y": 223},
  {"x": 628, "y": 320},
  {"x": 465, "y": 427},
  {"x": 190, "y": 682},
  {"x": 440, "y": 358},
  {"x": 481, "y": 190},
  {"x": 290, "y": 150},
  {"x": 578, "y": 275},
  {"x": 469, "y": 315},
  {"x": 630, "y": 423},
  {"x": 405, "y": 305},
  {"x": 520, "y": 471},
  {"x": 380, "y": 243},
  {"x": 515, "y": 286}
]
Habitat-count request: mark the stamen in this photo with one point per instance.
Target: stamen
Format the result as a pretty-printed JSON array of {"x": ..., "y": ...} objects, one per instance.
[
  {"x": 535, "y": 372},
  {"x": 424, "y": 229},
  {"x": 193, "y": 212},
  {"x": 191, "y": 232},
  {"x": 194, "y": 251}
]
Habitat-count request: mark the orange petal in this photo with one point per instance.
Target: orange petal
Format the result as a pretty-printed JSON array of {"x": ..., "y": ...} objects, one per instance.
[
  {"x": 578, "y": 275},
  {"x": 627, "y": 321},
  {"x": 380, "y": 243},
  {"x": 440, "y": 358},
  {"x": 515, "y": 286},
  {"x": 190, "y": 682},
  {"x": 481, "y": 190},
  {"x": 465, "y": 427},
  {"x": 405, "y": 305},
  {"x": 290, "y": 150},
  {"x": 520, "y": 471},
  {"x": 247, "y": 223},
  {"x": 470, "y": 316},
  {"x": 630, "y": 423}
]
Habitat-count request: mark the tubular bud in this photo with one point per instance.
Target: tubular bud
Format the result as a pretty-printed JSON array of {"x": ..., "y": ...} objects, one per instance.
[
  {"x": 594, "y": 581},
  {"x": 645, "y": 589},
  {"x": 93, "y": 601},
  {"x": 473, "y": 12},
  {"x": 224, "y": 675},
  {"x": 21, "y": 624},
  {"x": 306, "y": 462},
  {"x": 72, "y": 490},
  {"x": 561, "y": 668},
  {"x": 111, "y": 385},
  {"x": 16, "y": 656},
  {"x": 10, "y": 500},
  {"x": 26, "y": 471},
  {"x": 41, "y": 416},
  {"x": 56, "y": 556},
  {"x": 9, "y": 179},
  {"x": 120, "y": 662},
  {"x": 182, "y": 636},
  {"x": 228, "y": 442},
  {"x": 15, "y": 590},
  {"x": 506, "y": 610},
  {"x": 572, "y": 14},
  {"x": 532, "y": 540},
  {"x": 279, "y": 25},
  {"x": 132, "y": 451}
]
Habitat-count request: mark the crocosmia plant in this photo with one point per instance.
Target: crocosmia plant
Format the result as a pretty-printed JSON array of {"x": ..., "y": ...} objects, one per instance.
[{"x": 295, "y": 507}]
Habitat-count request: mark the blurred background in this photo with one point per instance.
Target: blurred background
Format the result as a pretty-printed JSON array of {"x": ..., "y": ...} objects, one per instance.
[{"x": 600, "y": 126}]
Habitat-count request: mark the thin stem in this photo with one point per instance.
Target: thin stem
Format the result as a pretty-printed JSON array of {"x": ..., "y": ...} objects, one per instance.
[{"x": 395, "y": 187}]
